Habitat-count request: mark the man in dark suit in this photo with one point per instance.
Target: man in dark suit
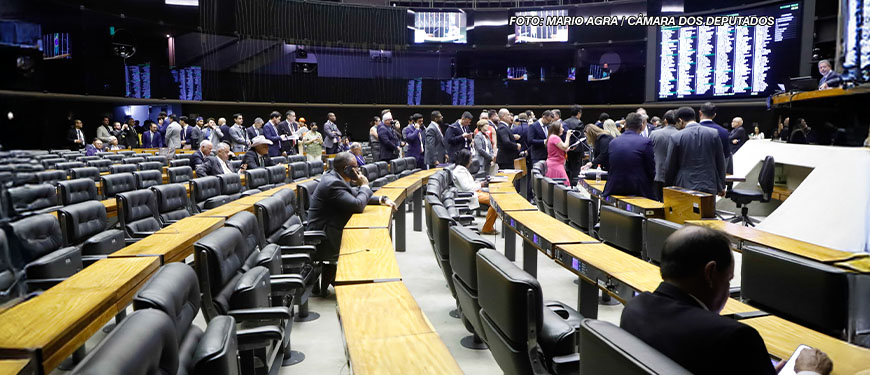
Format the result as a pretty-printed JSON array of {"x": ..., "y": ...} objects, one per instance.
[
  {"x": 286, "y": 129},
  {"x": 681, "y": 318},
  {"x": 458, "y": 135},
  {"x": 387, "y": 137},
  {"x": 332, "y": 204},
  {"x": 414, "y": 134},
  {"x": 575, "y": 154},
  {"x": 737, "y": 137},
  {"x": 632, "y": 162},
  {"x": 225, "y": 131},
  {"x": 508, "y": 147},
  {"x": 270, "y": 131},
  {"x": 830, "y": 78},
  {"x": 435, "y": 151},
  {"x": 537, "y": 137},
  {"x": 255, "y": 130},
  {"x": 258, "y": 155},
  {"x": 75, "y": 137},
  {"x": 217, "y": 165},
  {"x": 707, "y": 114},
  {"x": 200, "y": 155},
  {"x": 695, "y": 159},
  {"x": 152, "y": 138}
]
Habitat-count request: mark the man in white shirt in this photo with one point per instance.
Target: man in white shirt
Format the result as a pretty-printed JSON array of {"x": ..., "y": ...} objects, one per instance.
[{"x": 216, "y": 165}]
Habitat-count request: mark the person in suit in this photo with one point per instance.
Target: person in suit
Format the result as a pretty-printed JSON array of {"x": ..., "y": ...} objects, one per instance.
[
  {"x": 94, "y": 148},
  {"x": 270, "y": 131},
  {"x": 173, "y": 133},
  {"x": 332, "y": 204},
  {"x": 458, "y": 136},
  {"x": 483, "y": 150},
  {"x": 522, "y": 129},
  {"x": 707, "y": 114},
  {"x": 632, "y": 162},
  {"x": 184, "y": 135},
  {"x": 286, "y": 130},
  {"x": 255, "y": 130},
  {"x": 152, "y": 138},
  {"x": 661, "y": 138},
  {"x": 238, "y": 136},
  {"x": 356, "y": 150},
  {"x": 129, "y": 137},
  {"x": 599, "y": 139},
  {"x": 695, "y": 159},
  {"x": 574, "y": 161},
  {"x": 509, "y": 148},
  {"x": 162, "y": 123},
  {"x": 387, "y": 138},
  {"x": 224, "y": 131},
  {"x": 830, "y": 78},
  {"x": 331, "y": 134},
  {"x": 258, "y": 155},
  {"x": 212, "y": 132},
  {"x": 200, "y": 155},
  {"x": 195, "y": 136},
  {"x": 435, "y": 151},
  {"x": 75, "y": 137},
  {"x": 681, "y": 318},
  {"x": 104, "y": 131},
  {"x": 414, "y": 134},
  {"x": 648, "y": 126},
  {"x": 737, "y": 137},
  {"x": 537, "y": 137},
  {"x": 219, "y": 164}
]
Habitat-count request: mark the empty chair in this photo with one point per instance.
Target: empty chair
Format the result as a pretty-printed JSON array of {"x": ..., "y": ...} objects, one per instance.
[
  {"x": 71, "y": 156},
  {"x": 133, "y": 160},
  {"x": 183, "y": 156},
  {"x": 578, "y": 210},
  {"x": 69, "y": 165},
  {"x": 279, "y": 160},
  {"x": 231, "y": 185},
  {"x": 35, "y": 243},
  {"x": 11, "y": 285},
  {"x": 742, "y": 197},
  {"x": 304, "y": 192},
  {"x": 101, "y": 164},
  {"x": 179, "y": 162},
  {"x": 24, "y": 178},
  {"x": 172, "y": 203},
  {"x": 397, "y": 166},
  {"x": 372, "y": 174},
  {"x": 76, "y": 191},
  {"x": 560, "y": 202},
  {"x": 464, "y": 244},
  {"x": 86, "y": 226},
  {"x": 127, "y": 153},
  {"x": 296, "y": 158},
  {"x": 255, "y": 178},
  {"x": 114, "y": 157},
  {"x": 656, "y": 231},
  {"x": 315, "y": 168},
  {"x": 277, "y": 175},
  {"x": 441, "y": 222},
  {"x": 86, "y": 159},
  {"x": 547, "y": 187},
  {"x": 91, "y": 173},
  {"x": 122, "y": 168},
  {"x": 137, "y": 214},
  {"x": 51, "y": 163},
  {"x": 148, "y": 178},
  {"x": 50, "y": 177},
  {"x": 150, "y": 165},
  {"x": 30, "y": 199},
  {"x": 288, "y": 196},
  {"x": 206, "y": 193},
  {"x": 298, "y": 171},
  {"x": 524, "y": 335},
  {"x": 622, "y": 229},
  {"x": 117, "y": 183},
  {"x": 179, "y": 174},
  {"x": 608, "y": 349},
  {"x": 158, "y": 158}
]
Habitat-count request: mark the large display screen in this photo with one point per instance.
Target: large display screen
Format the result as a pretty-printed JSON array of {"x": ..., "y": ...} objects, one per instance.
[
  {"x": 541, "y": 33},
  {"x": 701, "y": 62},
  {"x": 440, "y": 27}
]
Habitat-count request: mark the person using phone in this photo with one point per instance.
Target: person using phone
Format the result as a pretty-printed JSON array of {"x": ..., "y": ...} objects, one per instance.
[{"x": 342, "y": 192}]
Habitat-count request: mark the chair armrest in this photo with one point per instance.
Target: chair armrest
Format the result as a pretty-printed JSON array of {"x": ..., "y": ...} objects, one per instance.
[
  {"x": 464, "y": 194},
  {"x": 461, "y": 201},
  {"x": 104, "y": 243},
  {"x": 294, "y": 262},
  {"x": 559, "y": 179},
  {"x": 59, "y": 263},
  {"x": 286, "y": 282},
  {"x": 464, "y": 220},
  {"x": 141, "y": 235},
  {"x": 42, "y": 284},
  {"x": 260, "y": 313},
  {"x": 257, "y": 335},
  {"x": 314, "y": 237},
  {"x": 566, "y": 364},
  {"x": 300, "y": 249}
]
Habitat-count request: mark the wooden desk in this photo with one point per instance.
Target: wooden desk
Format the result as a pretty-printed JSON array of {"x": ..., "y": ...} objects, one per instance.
[
  {"x": 644, "y": 206},
  {"x": 111, "y": 207},
  {"x": 501, "y": 188},
  {"x": 227, "y": 210},
  {"x": 386, "y": 332},
  {"x": 510, "y": 202},
  {"x": 684, "y": 204},
  {"x": 397, "y": 195},
  {"x": 249, "y": 200},
  {"x": 366, "y": 255},
  {"x": 782, "y": 337},
  {"x": 13, "y": 366},
  {"x": 786, "y": 98},
  {"x": 374, "y": 216},
  {"x": 540, "y": 232},
  {"x": 790, "y": 245},
  {"x": 410, "y": 183},
  {"x": 173, "y": 243},
  {"x": 61, "y": 319}
]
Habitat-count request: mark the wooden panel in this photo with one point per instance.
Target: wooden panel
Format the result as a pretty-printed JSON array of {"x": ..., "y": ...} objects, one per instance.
[
  {"x": 12, "y": 366},
  {"x": 111, "y": 207},
  {"x": 787, "y": 98},
  {"x": 366, "y": 255},
  {"x": 227, "y": 210},
  {"x": 512, "y": 202},
  {"x": 782, "y": 338},
  {"x": 374, "y": 216},
  {"x": 683, "y": 204},
  {"x": 858, "y": 265},
  {"x": 379, "y": 310},
  {"x": 410, "y": 183},
  {"x": 780, "y": 193},
  {"x": 790, "y": 245},
  {"x": 501, "y": 188},
  {"x": 609, "y": 259},
  {"x": 521, "y": 164},
  {"x": 418, "y": 354},
  {"x": 550, "y": 229},
  {"x": 397, "y": 195},
  {"x": 174, "y": 242}
]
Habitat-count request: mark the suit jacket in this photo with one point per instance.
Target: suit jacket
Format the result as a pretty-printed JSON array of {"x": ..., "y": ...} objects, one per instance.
[
  {"x": 831, "y": 75},
  {"x": 71, "y": 137},
  {"x": 330, "y": 133},
  {"x": 523, "y": 130},
  {"x": 271, "y": 133},
  {"x": 632, "y": 166},
  {"x": 332, "y": 204},
  {"x": 537, "y": 139},
  {"x": 237, "y": 136},
  {"x": 152, "y": 140},
  {"x": 285, "y": 128},
  {"x": 695, "y": 160},
  {"x": 129, "y": 138},
  {"x": 225, "y": 134},
  {"x": 507, "y": 146},
  {"x": 674, "y": 323},
  {"x": 454, "y": 138},
  {"x": 194, "y": 137},
  {"x": 360, "y": 161},
  {"x": 212, "y": 167},
  {"x": 90, "y": 150},
  {"x": 103, "y": 134},
  {"x": 213, "y": 135},
  {"x": 436, "y": 149},
  {"x": 740, "y": 135},
  {"x": 389, "y": 142},
  {"x": 723, "y": 136},
  {"x": 197, "y": 159},
  {"x": 601, "y": 152},
  {"x": 575, "y": 156},
  {"x": 253, "y": 132},
  {"x": 661, "y": 138},
  {"x": 252, "y": 159},
  {"x": 484, "y": 152},
  {"x": 414, "y": 138},
  {"x": 173, "y": 135}
]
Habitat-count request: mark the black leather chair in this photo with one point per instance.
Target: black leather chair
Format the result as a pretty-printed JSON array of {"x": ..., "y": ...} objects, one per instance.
[
  {"x": 133, "y": 160},
  {"x": 172, "y": 203},
  {"x": 122, "y": 168},
  {"x": 304, "y": 192},
  {"x": 236, "y": 163},
  {"x": 50, "y": 177},
  {"x": 315, "y": 168},
  {"x": 76, "y": 191},
  {"x": 150, "y": 165},
  {"x": 35, "y": 244},
  {"x": 384, "y": 171},
  {"x": 30, "y": 199},
  {"x": 255, "y": 178},
  {"x": 91, "y": 173},
  {"x": 71, "y": 156},
  {"x": 51, "y": 163},
  {"x": 85, "y": 225},
  {"x": 137, "y": 214},
  {"x": 179, "y": 174},
  {"x": 296, "y": 158},
  {"x": 298, "y": 171},
  {"x": 114, "y": 157},
  {"x": 126, "y": 153},
  {"x": 101, "y": 164},
  {"x": 145, "y": 343},
  {"x": 656, "y": 231},
  {"x": 410, "y": 166},
  {"x": 560, "y": 202},
  {"x": 11, "y": 283},
  {"x": 397, "y": 166},
  {"x": 85, "y": 158},
  {"x": 117, "y": 183},
  {"x": 179, "y": 163},
  {"x": 622, "y": 229},
  {"x": 608, "y": 349},
  {"x": 742, "y": 197},
  {"x": 231, "y": 185},
  {"x": 464, "y": 244},
  {"x": 524, "y": 334},
  {"x": 69, "y": 165},
  {"x": 288, "y": 196},
  {"x": 158, "y": 158},
  {"x": 206, "y": 193},
  {"x": 277, "y": 175},
  {"x": 279, "y": 160},
  {"x": 148, "y": 178},
  {"x": 578, "y": 210},
  {"x": 183, "y": 156},
  {"x": 441, "y": 223},
  {"x": 547, "y": 187},
  {"x": 372, "y": 174}
]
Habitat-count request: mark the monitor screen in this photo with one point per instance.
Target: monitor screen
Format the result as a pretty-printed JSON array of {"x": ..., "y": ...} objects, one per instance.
[
  {"x": 541, "y": 33},
  {"x": 704, "y": 62},
  {"x": 440, "y": 27},
  {"x": 517, "y": 73},
  {"x": 598, "y": 72}
]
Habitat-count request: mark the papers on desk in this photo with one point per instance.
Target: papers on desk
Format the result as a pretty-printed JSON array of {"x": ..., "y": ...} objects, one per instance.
[
  {"x": 498, "y": 179},
  {"x": 509, "y": 171}
]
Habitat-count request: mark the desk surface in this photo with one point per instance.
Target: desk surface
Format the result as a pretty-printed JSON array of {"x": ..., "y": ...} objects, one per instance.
[
  {"x": 817, "y": 94},
  {"x": 374, "y": 216},
  {"x": 797, "y": 247},
  {"x": 174, "y": 242},
  {"x": 599, "y": 186},
  {"x": 386, "y": 332},
  {"x": 12, "y": 366},
  {"x": 410, "y": 183},
  {"x": 550, "y": 229},
  {"x": 501, "y": 187},
  {"x": 644, "y": 203},
  {"x": 226, "y": 210},
  {"x": 111, "y": 207},
  {"x": 396, "y": 195},
  {"x": 782, "y": 337},
  {"x": 512, "y": 202},
  {"x": 62, "y": 318},
  {"x": 366, "y": 255}
]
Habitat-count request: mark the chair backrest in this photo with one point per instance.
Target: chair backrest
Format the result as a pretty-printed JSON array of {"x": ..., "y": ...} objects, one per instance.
[
  {"x": 173, "y": 290},
  {"x": 410, "y": 163},
  {"x": 172, "y": 202},
  {"x": 464, "y": 244},
  {"x": 236, "y": 164},
  {"x": 50, "y": 177},
  {"x": 179, "y": 162},
  {"x": 618, "y": 352},
  {"x": 560, "y": 202},
  {"x": 158, "y": 158},
  {"x": 397, "y": 166},
  {"x": 203, "y": 188},
  {"x": 33, "y": 237},
  {"x": 76, "y": 191},
  {"x": 298, "y": 170},
  {"x": 277, "y": 174},
  {"x": 29, "y": 198},
  {"x": 537, "y": 187},
  {"x": 126, "y": 153},
  {"x": 117, "y": 183},
  {"x": 86, "y": 159},
  {"x": 151, "y": 165},
  {"x": 69, "y": 165},
  {"x": 218, "y": 262},
  {"x": 578, "y": 210},
  {"x": 10, "y": 285},
  {"x": 114, "y": 157},
  {"x": 383, "y": 168},
  {"x": 249, "y": 225},
  {"x": 766, "y": 177},
  {"x": 71, "y": 156},
  {"x": 622, "y": 229},
  {"x": 82, "y": 220},
  {"x": 137, "y": 212},
  {"x": 296, "y": 158},
  {"x": 371, "y": 171},
  {"x": 231, "y": 183},
  {"x": 179, "y": 174},
  {"x": 255, "y": 178},
  {"x": 51, "y": 163},
  {"x": 148, "y": 178},
  {"x": 133, "y": 160},
  {"x": 304, "y": 192},
  {"x": 270, "y": 215},
  {"x": 91, "y": 173},
  {"x": 656, "y": 231},
  {"x": 183, "y": 156},
  {"x": 547, "y": 186},
  {"x": 101, "y": 164},
  {"x": 429, "y": 201},
  {"x": 122, "y": 168},
  {"x": 288, "y": 196},
  {"x": 279, "y": 160},
  {"x": 315, "y": 168}
]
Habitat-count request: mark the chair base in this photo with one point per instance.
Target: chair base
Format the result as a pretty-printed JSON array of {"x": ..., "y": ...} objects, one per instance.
[
  {"x": 576, "y": 281},
  {"x": 744, "y": 218},
  {"x": 607, "y": 300},
  {"x": 307, "y": 318},
  {"x": 454, "y": 313},
  {"x": 473, "y": 343},
  {"x": 292, "y": 359}
]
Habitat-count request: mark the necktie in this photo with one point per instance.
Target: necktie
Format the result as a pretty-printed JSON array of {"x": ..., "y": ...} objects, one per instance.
[{"x": 183, "y": 133}]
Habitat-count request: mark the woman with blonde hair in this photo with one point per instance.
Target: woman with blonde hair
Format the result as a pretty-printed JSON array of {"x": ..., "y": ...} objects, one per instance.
[
  {"x": 611, "y": 128},
  {"x": 599, "y": 139}
]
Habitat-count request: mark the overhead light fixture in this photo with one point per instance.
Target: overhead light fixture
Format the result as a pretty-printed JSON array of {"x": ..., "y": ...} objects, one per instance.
[{"x": 186, "y": 3}]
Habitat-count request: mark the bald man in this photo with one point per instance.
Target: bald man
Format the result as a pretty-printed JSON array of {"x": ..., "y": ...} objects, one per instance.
[{"x": 737, "y": 137}]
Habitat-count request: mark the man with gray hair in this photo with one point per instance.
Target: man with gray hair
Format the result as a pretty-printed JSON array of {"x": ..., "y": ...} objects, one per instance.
[
  {"x": 356, "y": 150},
  {"x": 217, "y": 165},
  {"x": 509, "y": 149},
  {"x": 200, "y": 155}
]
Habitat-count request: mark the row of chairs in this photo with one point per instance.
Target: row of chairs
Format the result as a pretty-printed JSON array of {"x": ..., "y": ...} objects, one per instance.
[{"x": 382, "y": 173}]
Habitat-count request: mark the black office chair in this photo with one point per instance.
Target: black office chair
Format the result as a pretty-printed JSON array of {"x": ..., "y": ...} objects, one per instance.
[
  {"x": 298, "y": 170},
  {"x": 122, "y": 168},
  {"x": 578, "y": 210},
  {"x": 148, "y": 178},
  {"x": 656, "y": 231},
  {"x": 315, "y": 168},
  {"x": 36, "y": 250},
  {"x": 608, "y": 349},
  {"x": 277, "y": 175},
  {"x": 76, "y": 191},
  {"x": 255, "y": 178},
  {"x": 304, "y": 192},
  {"x": 384, "y": 170},
  {"x": 622, "y": 229},
  {"x": 464, "y": 244},
  {"x": 560, "y": 203},
  {"x": 113, "y": 184},
  {"x": 397, "y": 166},
  {"x": 101, "y": 164},
  {"x": 288, "y": 196},
  {"x": 12, "y": 288},
  {"x": 113, "y": 157},
  {"x": 279, "y": 160},
  {"x": 51, "y": 163},
  {"x": 86, "y": 226},
  {"x": 525, "y": 335},
  {"x": 150, "y": 166},
  {"x": 441, "y": 223},
  {"x": 183, "y": 156},
  {"x": 49, "y": 177},
  {"x": 172, "y": 203},
  {"x": 85, "y": 158},
  {"x": 742, "y": 197},
  {"x": 231, "y": 186},
  {"x": 179, "y": 174},
  {"x": 133, "y": 160},
  {"x": 91, "y": 173},
  {"x": 137, "y": 214},
  {"x": 30, "y": 200},
  {"x": 158, "y": 158},
  {"x": 373, "y": 175},
  {"x": 205, "y": 193},
  {"x": 179, "y": 163},
  {"x": 296, "y": 158}
]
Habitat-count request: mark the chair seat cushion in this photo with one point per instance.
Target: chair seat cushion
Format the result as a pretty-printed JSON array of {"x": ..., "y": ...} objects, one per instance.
[
  {"x": 746, "y": 195},
  {"x": 187, "y": 348},
  {"x": 104, "y": 243}
]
